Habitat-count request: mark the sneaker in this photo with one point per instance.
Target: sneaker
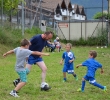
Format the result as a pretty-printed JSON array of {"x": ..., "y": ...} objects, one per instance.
[
  {"x": 64, "y": 80},
  {"x": 79, "y": 90},
  {"x": 45, "y": 88},
  {"x": 76, "y": 78},
  {"x": 13, "y": 94},
  {"x": 15, "y": 82},
  {"x": 105, "y": 89}
]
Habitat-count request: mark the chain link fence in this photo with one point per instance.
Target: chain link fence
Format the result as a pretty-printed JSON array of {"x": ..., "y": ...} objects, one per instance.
[{"x": 14, "y": 19}]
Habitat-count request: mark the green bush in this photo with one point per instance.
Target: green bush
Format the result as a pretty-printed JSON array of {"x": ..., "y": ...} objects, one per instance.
[
  {"x": 10, "y": 37},
  {"x": 91, "y": 41},
  {"x": 34, "y": 31}
]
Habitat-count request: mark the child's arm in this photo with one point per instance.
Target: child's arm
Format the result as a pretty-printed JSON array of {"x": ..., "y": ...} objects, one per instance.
[
  {"x": 7, "y": 53},
  {"x": 49, "y": 42},
  {"x": 40, "y": 53},
  {"x": 61, "y": 62},
  {"x": 71, "y": 60},
  {"x": 78, "y": 65}
]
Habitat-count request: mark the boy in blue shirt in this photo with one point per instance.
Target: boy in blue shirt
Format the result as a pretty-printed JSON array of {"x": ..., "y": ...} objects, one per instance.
[
  {"x": 69, "y": 57},
  {"x": 92, "y": 65}
]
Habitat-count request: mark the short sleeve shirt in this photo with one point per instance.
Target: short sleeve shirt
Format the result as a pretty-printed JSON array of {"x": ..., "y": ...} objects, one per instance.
[
  {"x": 68, "y": 56},
  {"x": 21, "y": 55},
  {"x": 37, "y": 44},
  {"x": 92, "y": 65}
]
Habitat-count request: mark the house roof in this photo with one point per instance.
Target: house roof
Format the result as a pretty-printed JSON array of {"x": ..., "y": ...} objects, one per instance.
[
  {"x": 81, "y": 10},
  {"x": 76, "y": 8},
  {"x": 52, "y": 4},
  {"x": 67, "y": 2},
  {"x": 58, "y": 11}
]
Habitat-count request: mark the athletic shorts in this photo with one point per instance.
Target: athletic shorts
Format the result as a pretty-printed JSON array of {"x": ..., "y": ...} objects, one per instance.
[
  {"x": 90, "y": 79},
  {"x": 69, "y": 69},
  {"x": 32, "y": 60},
  {"x": 23, "y": 75}
]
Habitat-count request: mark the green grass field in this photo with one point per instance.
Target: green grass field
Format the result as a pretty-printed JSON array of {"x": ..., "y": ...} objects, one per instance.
[{"x": 59, "y": 90}]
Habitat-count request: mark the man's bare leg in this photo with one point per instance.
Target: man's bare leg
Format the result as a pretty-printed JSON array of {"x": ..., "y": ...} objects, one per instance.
[{"x": 43, "y": 76}]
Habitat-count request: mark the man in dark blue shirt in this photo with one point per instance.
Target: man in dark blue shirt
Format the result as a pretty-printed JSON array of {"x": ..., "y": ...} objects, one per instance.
[{"x": 38, "y": 42}]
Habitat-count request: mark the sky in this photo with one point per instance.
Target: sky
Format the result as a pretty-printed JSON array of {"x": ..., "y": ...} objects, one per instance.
[{"x": 92, "y": 6}]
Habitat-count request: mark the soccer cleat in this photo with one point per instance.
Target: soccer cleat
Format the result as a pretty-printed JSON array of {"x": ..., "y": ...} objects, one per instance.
[
  {"x": 13, "y": 94},
  {"x": 45, "y": 88},
  {"x": 64, "y": 80},
  {"x": 79, "y": 90},
  {"x": 105, "y": 89},
  {"x": 15, "y": 82},
  {"x": 76, "y": 78}
]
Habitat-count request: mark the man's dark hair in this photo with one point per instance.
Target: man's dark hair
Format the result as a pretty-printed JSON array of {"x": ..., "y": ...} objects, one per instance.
[{"x": 48, "y": 32}]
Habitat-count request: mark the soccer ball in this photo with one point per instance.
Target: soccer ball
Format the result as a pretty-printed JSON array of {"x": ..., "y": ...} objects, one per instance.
[
  {"x": 105, "y": 46},
  {"x": 45, "y": 86},
  {"x": 97, "y": 47}
]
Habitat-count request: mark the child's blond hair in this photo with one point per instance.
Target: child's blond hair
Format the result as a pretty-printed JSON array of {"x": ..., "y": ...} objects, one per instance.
[{"x": 69, "y": 44}]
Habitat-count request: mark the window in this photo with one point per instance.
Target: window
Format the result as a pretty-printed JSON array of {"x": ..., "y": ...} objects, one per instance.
[
  {"x": 73, "y": 13},
  {"x": 65, "y": 18},
  {"x": 62, "y": 10},
  {"x": 57, "y": 15}
]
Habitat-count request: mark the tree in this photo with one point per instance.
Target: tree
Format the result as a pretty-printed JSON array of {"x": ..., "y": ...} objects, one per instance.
[
  {"x": 99, "y": 15},
  {"x": 9, "y": 7}
]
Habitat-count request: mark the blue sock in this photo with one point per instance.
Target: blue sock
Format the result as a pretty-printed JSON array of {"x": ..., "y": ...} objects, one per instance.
[
  {"x": 98, "y": 85},
  {"x": 83, "y": 85}
]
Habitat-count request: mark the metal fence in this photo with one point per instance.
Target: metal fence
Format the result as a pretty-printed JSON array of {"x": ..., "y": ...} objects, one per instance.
[
  {"x": 29, "y": 13},
  {"x": 17, "y": 21}
]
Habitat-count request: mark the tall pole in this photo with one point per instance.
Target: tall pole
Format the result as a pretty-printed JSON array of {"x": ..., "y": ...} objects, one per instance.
[
  {"x": 2, "y": 13},
  {"x": 22, "y": 19},
  {"x": 108, "y": 22},
  {"x": 102, "y": 16},
  {"x": 35, "y": 14},
  {"x": 30, "y": 12},
  {"x": 11, "y": 13},
  {"x": 108, "y": 5},
  {"x": 40, "y": 16},
  {"x": 69, "y": 24}
]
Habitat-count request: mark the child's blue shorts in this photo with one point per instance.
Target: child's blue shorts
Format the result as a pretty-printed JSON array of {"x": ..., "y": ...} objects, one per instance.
[
  {"x": 23, "y": 75},
  {"x": 68, "y": 68},
  {"x": 90, "y": 79}
]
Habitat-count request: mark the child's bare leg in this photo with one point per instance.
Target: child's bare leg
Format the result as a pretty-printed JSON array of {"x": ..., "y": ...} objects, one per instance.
[
  {"x": 64, "y": 76},
  {"x": 19, "y": 86},
  {"x": 57, "y": 49}
]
